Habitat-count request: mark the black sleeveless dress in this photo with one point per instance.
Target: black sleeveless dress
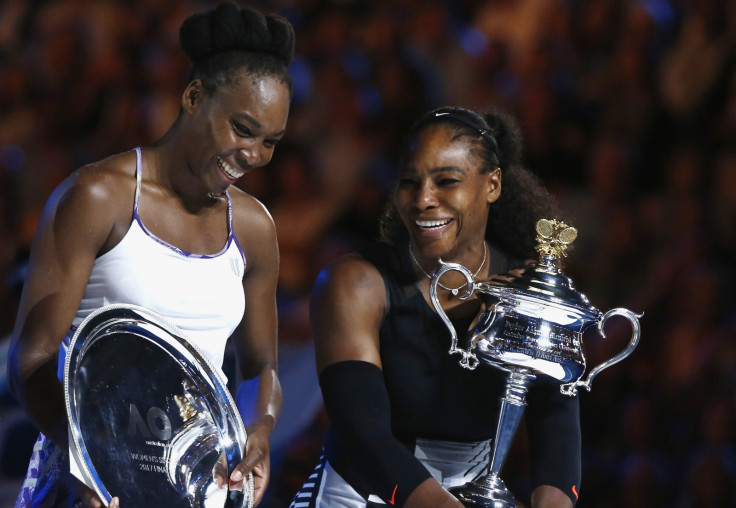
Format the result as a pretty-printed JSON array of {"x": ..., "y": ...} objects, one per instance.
[{"x": 433, "y": 397}]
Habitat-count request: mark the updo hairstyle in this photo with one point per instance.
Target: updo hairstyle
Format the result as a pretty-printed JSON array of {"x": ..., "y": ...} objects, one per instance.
[{"x": 225, "y": 39}]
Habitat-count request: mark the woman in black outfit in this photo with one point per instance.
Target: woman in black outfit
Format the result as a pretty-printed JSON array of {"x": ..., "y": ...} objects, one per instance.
[{"x": 407, "y": 421}]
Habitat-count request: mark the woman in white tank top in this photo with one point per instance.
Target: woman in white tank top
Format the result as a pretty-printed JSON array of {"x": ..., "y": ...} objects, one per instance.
[{"x": 164, "y": 227}]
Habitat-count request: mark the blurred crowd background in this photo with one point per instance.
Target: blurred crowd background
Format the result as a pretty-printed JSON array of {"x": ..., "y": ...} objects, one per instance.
[{"x": 628, "y": 110}]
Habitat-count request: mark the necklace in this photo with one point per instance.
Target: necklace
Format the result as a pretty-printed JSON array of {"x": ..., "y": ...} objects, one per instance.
[{"x": 454, "y": 291}]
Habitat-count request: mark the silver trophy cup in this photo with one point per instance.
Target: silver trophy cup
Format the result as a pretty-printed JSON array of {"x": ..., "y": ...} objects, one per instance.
[
  {"x": 151, "y": 420},
  {"x": 530, "y": 326}
]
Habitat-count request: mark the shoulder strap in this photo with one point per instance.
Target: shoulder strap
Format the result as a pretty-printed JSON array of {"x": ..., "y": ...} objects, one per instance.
[
  {"x": 138, "y": 172},
  {"x": 379, "y": 256},
  {"x": 392, "y": 262},
  {"x": 230, "y": 231},
  {"x": 501, "y": 262}
]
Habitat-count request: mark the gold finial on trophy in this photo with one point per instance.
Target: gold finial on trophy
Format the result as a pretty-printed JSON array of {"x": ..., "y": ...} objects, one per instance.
[
  {"x": 186, "y": 410},
  {"x": 554, "y": 237}
]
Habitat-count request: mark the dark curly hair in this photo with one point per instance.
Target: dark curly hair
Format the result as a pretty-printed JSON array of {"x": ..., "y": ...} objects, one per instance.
[
  {"x": 496, "y": 139},
  {"x": 225, "y": 39}
]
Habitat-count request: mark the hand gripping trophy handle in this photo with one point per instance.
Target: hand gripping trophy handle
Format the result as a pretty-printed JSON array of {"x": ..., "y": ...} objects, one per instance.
[
  {"x": 530, "y": 326},
  {"x": 469, "y": 360},
  {"x": 488, "y": 490},
  {"x": 572, "y": 388}
]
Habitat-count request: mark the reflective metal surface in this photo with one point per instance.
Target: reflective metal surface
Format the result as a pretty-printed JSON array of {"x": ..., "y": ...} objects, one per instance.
[
  {"x": 151, "y": 419},
  {"x": 530, "y": 325}
]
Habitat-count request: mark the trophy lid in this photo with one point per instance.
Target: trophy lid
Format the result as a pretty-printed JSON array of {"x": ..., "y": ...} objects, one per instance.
[{"x": 543, "y": 279}]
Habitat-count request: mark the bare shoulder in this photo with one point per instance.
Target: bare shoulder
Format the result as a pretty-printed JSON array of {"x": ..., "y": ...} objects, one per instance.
[
  {"x": 94, "y": 205},
  {"x": 255, "y": 232},
  {"x": 347, "y": 308},
  {"x": 351, "y": 272},
  {"x": 106, "y": 182},
  {"x": 348, "y": 283},
  {"x": 251, "y": 220},
  {"x": 117, "y": 168}
]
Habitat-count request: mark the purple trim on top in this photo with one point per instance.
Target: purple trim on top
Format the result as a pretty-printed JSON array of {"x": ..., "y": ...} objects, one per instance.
[
  {"x": 181, "y": 252},
  {"x": 230, "y": 228},
  {"x": 138, "y": 178}
]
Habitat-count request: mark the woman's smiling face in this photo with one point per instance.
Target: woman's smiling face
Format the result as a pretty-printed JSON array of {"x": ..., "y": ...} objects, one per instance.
[
  {"x": 237, "y": 128},
  {"x": 443, "y": 193}
]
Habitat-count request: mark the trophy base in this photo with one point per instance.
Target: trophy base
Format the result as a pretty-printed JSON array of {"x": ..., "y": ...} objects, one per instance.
[{"x": 489, "y": 491}]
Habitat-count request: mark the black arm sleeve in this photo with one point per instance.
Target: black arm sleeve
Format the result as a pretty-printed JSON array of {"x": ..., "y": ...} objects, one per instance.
[
  {"x": 553, "y": 424},
  {"x": 361, "y": 446}
]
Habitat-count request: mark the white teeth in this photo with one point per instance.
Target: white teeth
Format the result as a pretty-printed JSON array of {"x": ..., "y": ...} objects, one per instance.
[
  {"x": 432, "y": 224},
  {"x": 229, "y": 170}
]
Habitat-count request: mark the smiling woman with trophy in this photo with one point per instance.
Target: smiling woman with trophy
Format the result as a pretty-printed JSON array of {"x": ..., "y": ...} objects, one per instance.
[
  {"x": 143, "y": 265},
  {"x": 530, "y": 327},
  {"x": 409, "y": 423}
]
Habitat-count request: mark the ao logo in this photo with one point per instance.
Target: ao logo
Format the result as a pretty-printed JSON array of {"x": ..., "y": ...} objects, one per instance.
[{"x": 156, "y": 424}]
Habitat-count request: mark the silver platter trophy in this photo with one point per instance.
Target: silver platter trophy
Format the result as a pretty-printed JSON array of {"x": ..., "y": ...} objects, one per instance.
[
  {"x": 530, "y": 326},
  {"x": 151, "y": 419}
]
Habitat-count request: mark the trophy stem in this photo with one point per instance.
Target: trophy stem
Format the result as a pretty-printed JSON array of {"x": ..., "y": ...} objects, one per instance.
[
  {"x": 513, "y": 404},
  {"x": 490, "y": 490}
]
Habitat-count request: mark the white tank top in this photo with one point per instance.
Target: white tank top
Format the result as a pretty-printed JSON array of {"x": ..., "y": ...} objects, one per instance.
[{"x": 201, "y": 294}]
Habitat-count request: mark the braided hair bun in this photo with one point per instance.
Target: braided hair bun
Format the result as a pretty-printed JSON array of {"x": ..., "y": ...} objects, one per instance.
[{"x": 225, "y": 37}]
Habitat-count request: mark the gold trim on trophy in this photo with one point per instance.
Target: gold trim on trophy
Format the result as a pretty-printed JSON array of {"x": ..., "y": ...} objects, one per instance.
[{"x": 554, "y": 237}]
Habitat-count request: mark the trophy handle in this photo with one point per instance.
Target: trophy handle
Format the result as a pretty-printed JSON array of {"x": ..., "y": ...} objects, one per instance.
[
  {"x": 469, "y": 360},
  {"x": 571, "y": 388}
]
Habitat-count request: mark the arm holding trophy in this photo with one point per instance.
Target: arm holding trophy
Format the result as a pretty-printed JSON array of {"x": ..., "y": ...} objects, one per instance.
[
  {"x": 348, "y": 307},
  {"x": 78, "y": 221},
  {"x": 152, "y": 254},
  {"x": 409, "y": 422},
  {"x": 530, "y": 327},
  {"x": 256, "y": 344}
]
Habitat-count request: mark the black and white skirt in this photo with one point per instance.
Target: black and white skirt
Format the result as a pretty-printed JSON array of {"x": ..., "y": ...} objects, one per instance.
[{"x": 450, "y": 463}]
